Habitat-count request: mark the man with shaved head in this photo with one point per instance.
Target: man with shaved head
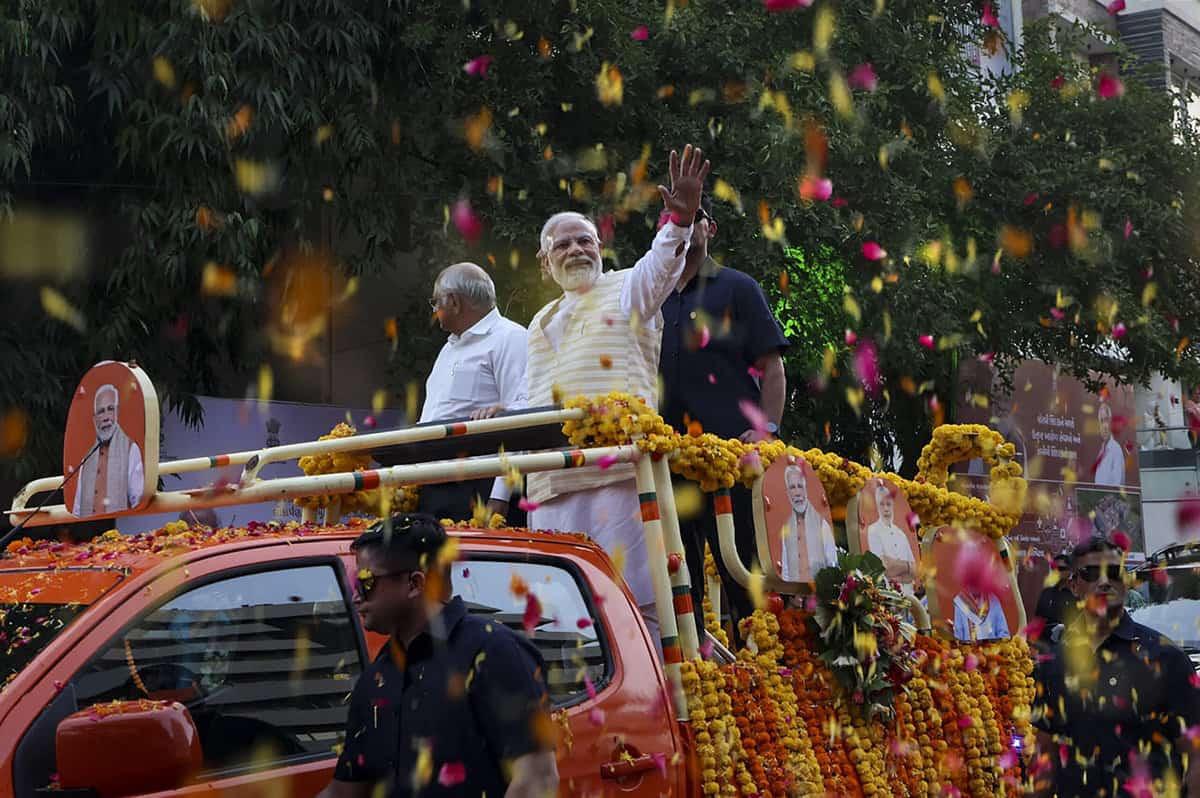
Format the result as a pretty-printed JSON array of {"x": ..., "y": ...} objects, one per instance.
[{"x": 480, "y": 370}]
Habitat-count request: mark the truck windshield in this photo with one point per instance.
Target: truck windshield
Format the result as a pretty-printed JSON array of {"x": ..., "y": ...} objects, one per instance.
[{"x": 36, "y": 605}]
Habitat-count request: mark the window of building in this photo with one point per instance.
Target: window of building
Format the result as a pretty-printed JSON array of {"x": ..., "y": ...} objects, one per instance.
[{"x": 566, "y": 633}]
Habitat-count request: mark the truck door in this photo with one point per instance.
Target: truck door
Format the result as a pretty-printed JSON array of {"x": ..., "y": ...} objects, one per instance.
[
  {"x": 615, "y": 728},
  {"x": 263, "y": 656}
]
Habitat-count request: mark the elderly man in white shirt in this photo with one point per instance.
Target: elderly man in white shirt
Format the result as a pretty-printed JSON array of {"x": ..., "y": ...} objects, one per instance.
[
  {"x": 480, "y": 370},
  {"x": 605, "y": 334}
]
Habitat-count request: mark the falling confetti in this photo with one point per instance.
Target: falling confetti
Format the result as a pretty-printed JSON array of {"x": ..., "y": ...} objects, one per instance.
[
  {"x": 1109, "y": 86},
  {"x": 610, "y": 86},
  {"x": 872, "y": 251},
  {"x": 466, "y": 222},
  {"x": 775, "y": 6},
  {"x": 863, "y": 77},
  {"x": 478, "y": 67},
  {"x": 57, "y": 307},
  {"x": 640, "y": 34},
  {"x": 1115, "y": 7}
]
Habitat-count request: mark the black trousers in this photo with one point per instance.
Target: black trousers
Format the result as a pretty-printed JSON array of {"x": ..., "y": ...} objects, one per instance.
[
  {"x": 703, "y": 528},
  {"x": 456, "y": 500}
]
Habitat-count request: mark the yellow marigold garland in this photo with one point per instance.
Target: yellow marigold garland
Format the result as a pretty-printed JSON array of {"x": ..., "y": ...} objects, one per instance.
[{"x": 712, "y": 462}]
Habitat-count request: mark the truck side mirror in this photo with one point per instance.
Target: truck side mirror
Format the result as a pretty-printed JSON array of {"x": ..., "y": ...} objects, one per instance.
[{"x": 127, "y": 748}]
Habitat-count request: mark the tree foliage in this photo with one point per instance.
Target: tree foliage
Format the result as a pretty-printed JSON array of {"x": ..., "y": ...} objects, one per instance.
[{"x": 214, "y": 138}]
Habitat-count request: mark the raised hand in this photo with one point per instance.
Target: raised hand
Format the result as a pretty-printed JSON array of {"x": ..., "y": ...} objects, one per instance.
[{"x": 687, "y": 183}]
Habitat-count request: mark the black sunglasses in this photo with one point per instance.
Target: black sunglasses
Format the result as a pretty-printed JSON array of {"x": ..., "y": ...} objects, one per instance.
[
  {"x": 367, "y": 580},
  {"x": 1091, "y": 573}
]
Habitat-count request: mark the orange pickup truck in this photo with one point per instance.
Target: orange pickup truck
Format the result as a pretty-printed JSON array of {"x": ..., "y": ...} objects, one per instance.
[{"x": 253, "y": 631}]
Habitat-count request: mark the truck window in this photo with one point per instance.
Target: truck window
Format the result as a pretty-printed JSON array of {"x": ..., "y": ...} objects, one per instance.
[
  {"x": 263, "y": 661},
  {"x": 567, "y": 633}
]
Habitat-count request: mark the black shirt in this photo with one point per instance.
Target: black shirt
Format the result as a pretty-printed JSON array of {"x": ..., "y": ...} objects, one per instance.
[
  {"x": 708, "y": 382},
  {"x": 1054, "y": 605},
  {"x": 1132, "y": 699},
  {"x": 447, "y": 715}
]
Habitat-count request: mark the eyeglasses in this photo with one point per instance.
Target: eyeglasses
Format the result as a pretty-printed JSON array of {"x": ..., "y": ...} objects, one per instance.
[
  {"x": 434, "y": 301},
  {"x": 368, "y": 579},
  {"x": 1091, "y": 573}
]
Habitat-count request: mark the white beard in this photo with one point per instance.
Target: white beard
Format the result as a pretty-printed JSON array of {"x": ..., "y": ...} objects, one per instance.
[{"x": 575, "y": 278}]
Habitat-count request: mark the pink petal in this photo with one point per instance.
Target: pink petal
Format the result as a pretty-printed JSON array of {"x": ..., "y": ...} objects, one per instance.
[
  {"x": 989, "y": 16},
  {"x": 979, "y": 570},
  {"x": 641, "y": 33},
  {"x": 1110, "y": 86},
  {"x": 863, "y": 77},
  {"x": 1187, "y": 516},
  {"x": 465, "y": 220},
  {"x": 1030, "y": 199},
  {"x": 815, "y": 189},
  {"x": 872, "y": 251},
  {"x": 706, "y": 648},
  {"x": 527, "y": 505},
  {"x": 866, "y": 367},
  {"x": 755, "y": 372},
  {"x": 1128, "y": 229},
  {"x": 606, "y": 462},
  {"x": 1058, "y": 82},
  {"x": 970, "y": 663},
  {"x": 914, "y": 520},
  {"x": 965, "y": 722},
  {"x": 533, "y": 613},
  {"x": 660, "y": 762},
  {"x": 369, "y": 422},
  {"x": 754, "y": 414},
  {"x": 596, "y": 716},
  {"x": 1115, "y": 7},
  {"x": 591, "y": 688},
  {"x": 712, "y": 379},
  {"x": 925, "y": 341},
  {"x": 452, "y": 774},
  {"x": 840, "y": 202},
  {"x": 478, "y": 67},
  {"x": 1122, "y": 540},
  {"x": 988, "y": 357},
  {"x": 1057, "y": 314},
  {"x": 1119, "y": 330},
  {"x": 752, "y": 460},
  {"x": 705, "y": 336},
  {"x": 773, "y": 6},
  {"x": 851, "y": 337},
  {"x": 583, "y": 623}
]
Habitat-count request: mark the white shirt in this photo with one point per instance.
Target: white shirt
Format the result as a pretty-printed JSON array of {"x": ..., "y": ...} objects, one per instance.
[
  {"x": 483, "y": 367},
  {"x": 889, "y": 540},
  {"x": 647, "y": 287},
  {"x": 1111, "y": 468}
]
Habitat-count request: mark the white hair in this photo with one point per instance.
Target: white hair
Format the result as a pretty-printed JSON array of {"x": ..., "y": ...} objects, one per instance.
[
  {"x": 793, "y": 469},
  {"x": 554, "y": 221},
  {"x": 470, "y": 282},
  {"x": 108, "y": 386}
]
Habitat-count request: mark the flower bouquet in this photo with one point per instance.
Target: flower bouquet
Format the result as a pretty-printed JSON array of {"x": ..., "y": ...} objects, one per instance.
[{"x": 862, "y": 631}]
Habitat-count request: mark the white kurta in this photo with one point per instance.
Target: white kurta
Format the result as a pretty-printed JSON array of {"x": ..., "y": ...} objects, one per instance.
[
  {"x": 889, "y": 540},
  {"x": 610, "y": 513},
  {"x": 1111, "y": 468}
]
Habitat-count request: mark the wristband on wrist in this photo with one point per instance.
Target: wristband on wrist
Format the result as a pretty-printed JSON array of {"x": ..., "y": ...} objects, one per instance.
[{"x": 678, "y": 221}]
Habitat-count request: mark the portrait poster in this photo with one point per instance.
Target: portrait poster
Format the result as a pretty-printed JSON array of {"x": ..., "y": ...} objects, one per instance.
[
  {"x": 110, "y": 448},
  {"x": 885, "y": 525},
  {"x": 793, "y": 521},
  {"x": 971, "y": 613}
]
